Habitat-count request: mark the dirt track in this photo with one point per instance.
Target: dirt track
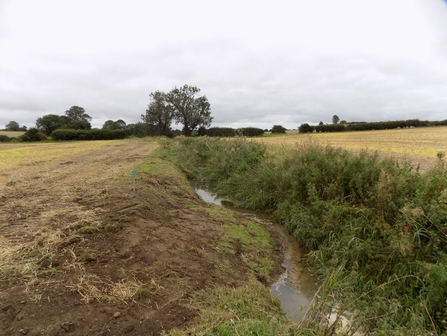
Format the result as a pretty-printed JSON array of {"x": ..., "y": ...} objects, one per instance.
[{"x": 81, "y": 253}]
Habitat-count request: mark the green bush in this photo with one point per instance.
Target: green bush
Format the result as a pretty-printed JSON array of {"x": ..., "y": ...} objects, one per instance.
[
  {"x": 305, "y": 128},
  {"x": 33, "y": 134},
  {"x": 4, "y": 138},
  {"x": 278, "y": 129}
]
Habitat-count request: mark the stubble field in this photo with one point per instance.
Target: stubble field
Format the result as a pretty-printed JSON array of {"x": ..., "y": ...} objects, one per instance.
[
  {"x": 418, "y": 145},
  {"x": 11, "y": 133},
  {"x": 83, "y": 253}
]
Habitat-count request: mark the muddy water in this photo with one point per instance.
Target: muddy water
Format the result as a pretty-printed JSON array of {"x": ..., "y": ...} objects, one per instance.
[{"x": 297, "y": 285}]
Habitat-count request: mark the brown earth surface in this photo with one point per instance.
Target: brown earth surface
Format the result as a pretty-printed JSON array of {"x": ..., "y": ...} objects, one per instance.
[{"x": 82, "y": 253}]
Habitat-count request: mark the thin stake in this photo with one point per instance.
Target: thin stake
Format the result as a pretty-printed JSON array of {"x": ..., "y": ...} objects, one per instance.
[{"x": 134, "y": 176}]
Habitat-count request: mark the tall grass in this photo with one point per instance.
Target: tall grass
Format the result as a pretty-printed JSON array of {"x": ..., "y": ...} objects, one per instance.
[{"x": 378, "y": 225}]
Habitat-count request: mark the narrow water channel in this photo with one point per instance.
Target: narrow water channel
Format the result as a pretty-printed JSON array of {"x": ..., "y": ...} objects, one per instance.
[{"x": 297, "y": 286}]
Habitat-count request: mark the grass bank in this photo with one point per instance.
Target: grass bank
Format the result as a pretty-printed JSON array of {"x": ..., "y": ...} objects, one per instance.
[{"x": 376, "y": 228}]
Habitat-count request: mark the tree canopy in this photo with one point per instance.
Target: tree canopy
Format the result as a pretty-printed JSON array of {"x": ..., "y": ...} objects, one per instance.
[
  {"x": 77, "y": 113},
  {"x": 159, "y": 114},
  {"x": 74, "y": 118},
  {"x": 181, "y": 105},
  {"x": 189, "y": 110},
  {"x": 48, "y": 123},
  {"x": 114, "y": 125},
  {"x": 335, "y": 119},
  {"x": 14, "y": 126}
]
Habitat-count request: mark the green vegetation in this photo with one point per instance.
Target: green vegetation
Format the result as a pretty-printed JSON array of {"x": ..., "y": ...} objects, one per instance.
[
  {"x": 218, "y": 131},
  {"x": 335, "y": 119},
  {"x": 14, "y": 126},
  {"x": 181, "y": 105},
  {"x": 246, "y": 310},
  {"x": 33, "y": 134},
  {"x": 250, "y": 131},
  {"x": 4, "y": 138},
  {"x": 278, "y": 129},
  {"x": 159, "y": 114},
  {"x": 114, "y": 125},
  {"x": 306, "y": 128},
  {"x": 95, "y": 134},
  {"x": 376, "y": 229},
  {"x": 74, "y": 118}
]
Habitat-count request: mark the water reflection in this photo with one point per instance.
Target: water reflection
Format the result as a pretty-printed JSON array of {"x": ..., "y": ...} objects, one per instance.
[{"x": 297, "y": 286}]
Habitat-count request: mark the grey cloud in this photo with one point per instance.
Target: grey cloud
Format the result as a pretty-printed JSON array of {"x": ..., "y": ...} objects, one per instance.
[{"x": 246, "y": 84}]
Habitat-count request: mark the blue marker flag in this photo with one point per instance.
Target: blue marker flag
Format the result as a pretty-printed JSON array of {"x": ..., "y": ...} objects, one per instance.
[{"x": 134, "y": 174}]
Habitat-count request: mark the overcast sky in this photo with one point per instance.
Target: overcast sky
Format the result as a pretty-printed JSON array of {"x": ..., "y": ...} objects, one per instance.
[{"x": 259, "y": 63}]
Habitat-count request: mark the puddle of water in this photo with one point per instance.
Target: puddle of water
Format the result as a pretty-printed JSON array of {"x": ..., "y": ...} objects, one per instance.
[
  {"x": 297, "y": 286},
  {"x": 208, "y": 197}
]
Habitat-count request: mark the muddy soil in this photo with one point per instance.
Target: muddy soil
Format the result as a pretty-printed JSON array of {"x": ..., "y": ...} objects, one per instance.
[{"x": 82, "y": 253}]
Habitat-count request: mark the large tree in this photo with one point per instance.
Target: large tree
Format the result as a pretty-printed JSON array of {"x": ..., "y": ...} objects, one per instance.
[
  {"x": 76, "y": 118},
  {"x": 189, "y": 110},
  {"x": 50, "y": 122},
  {"x": 77, "y": 113},
  {"x": 159, "y": 113},
  {"x": 13, "y": 126},
  {"x": 335, "y": 119}
]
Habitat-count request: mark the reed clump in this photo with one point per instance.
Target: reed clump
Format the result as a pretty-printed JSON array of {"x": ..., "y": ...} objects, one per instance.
[{"x": 376, "y": 229}]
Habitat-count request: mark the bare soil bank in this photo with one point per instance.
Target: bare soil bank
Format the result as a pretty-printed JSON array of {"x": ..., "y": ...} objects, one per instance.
[{"x": 81, "y": 253}]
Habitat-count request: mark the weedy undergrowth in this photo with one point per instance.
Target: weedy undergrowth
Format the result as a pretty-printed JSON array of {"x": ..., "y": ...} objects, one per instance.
[{"x": 376, "y": 224}]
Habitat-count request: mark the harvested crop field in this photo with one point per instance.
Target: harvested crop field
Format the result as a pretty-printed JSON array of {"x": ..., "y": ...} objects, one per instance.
[
  {"x": 11, "y": 133},
  {"x": 418, "y": 145},
  {"x": 83, "y": 253}
]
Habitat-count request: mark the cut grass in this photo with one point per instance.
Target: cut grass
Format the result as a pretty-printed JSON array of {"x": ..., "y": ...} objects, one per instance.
[{"x": 92, "y": 288}]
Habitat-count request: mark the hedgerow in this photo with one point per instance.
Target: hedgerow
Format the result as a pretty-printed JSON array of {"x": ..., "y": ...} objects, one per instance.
[
  {"x": 95, "y": 134},
  {"x": 4, "y": 138},
  {"x": 250, "y": 131},
  {"x": 220, "y": 132}
]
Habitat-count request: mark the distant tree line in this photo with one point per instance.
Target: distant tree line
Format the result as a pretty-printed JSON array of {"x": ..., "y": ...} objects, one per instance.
[
  {"x": 244, "y": 131},
  {"x": 367, "y": 126},
  {"x": 230, "y": 132},
  {"x": 180, "y": 105}
]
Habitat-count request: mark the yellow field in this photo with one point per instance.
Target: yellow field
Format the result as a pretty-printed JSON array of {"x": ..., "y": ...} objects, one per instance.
[
  {"x": 418, "y": 145},
  {"x": 26, "y": 154},
  {"x": 11, "y": 133}
]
